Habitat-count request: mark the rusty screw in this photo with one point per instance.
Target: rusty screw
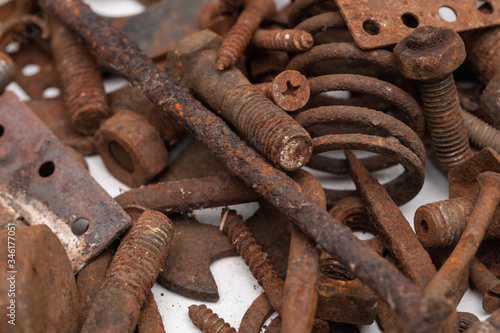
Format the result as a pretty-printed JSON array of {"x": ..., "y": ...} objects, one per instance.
[
  {"x": 207, "y": 321},
  {"x": 291, "y": 40},
  {"x": 262, "y": 268},
  {"x": 7, "y": 71},
  {"x": 81, "y": 79},
  {"x": 430, "y": 55},
  {"x": 131, "y": 276},
  {"x": 481, "y": 133},
  {"x": 274, "y": 133},
  {"x": 240, "y": 34},
  {"x": 290, "y": 90}
]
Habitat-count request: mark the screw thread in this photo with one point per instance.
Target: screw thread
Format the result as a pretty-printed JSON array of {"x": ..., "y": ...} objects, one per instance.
[
  {"x": 208, "y": 321},
  {"x": 7, "y": 71},
  {"x": 291, "y": 40},
  {"x": 481, "y": 134},
  {"x": 273, "y": 132},
  {"x": 442, "y": 112},
  {"x": 131, "y": 275},
  {"x": 81, "y": 79},
  {"x": 240, "y": 34},
  {"x": 440, "y": 224},
  {"x": 254, "y": 256},
  {"x": 140, "y": 255}
]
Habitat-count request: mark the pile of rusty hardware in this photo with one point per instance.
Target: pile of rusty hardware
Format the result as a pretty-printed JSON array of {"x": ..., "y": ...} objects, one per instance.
[{"x": 256, "y": 90}]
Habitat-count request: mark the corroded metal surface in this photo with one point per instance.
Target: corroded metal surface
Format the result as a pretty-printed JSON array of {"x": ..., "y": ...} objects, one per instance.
[
  {"x": 132, "y": 149},
  {"x": 39, "y": 273},
  {"x": 42, "y": 183},
  {"x": 185, "y": 195},
  {"x": 162, "y": 24},
  {"x": 131, "y": 275},
  {"x": 408, "y": 300},
  {"x": 376, "y": 24},
  {"x": 53, "y": 114},
  {"x": 187, "y": 268},
  {"x": 270, "y": 130}
]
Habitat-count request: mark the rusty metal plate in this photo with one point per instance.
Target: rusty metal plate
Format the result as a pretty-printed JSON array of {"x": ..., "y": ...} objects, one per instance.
[
  {"x": 376, "y": 23},
  {"x": 194, "y": 247},
  {"x": 41, "y": 183},
  {"x": 161, "y": 24}
]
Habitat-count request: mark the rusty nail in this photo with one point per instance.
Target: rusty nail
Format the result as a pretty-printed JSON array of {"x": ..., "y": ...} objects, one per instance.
[
  {"x": 430, "y": 55},
  {"x": 290, "y": 90},
  {"x": 131, "y": 275},
  {"x": 487, "y": 283},
  {"x": 207, "y": 321},
  {"x": 490, "y": 325},
  {"x": 390, "y": 222},
  {"x": 407, "y": 300},
  {"x": 443, "y": 284},
  {"x": 300, "y": 293},
  {"x": 186, "y": 195}
]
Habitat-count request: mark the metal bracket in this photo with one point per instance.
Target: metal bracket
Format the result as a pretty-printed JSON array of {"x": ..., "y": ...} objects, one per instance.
[
  {"x": 375, "y": 24},
  {"x": 42, "y": 182}
]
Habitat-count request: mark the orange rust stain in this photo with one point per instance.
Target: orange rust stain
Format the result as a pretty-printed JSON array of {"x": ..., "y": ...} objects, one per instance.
[{"x": 177, "y": 106}]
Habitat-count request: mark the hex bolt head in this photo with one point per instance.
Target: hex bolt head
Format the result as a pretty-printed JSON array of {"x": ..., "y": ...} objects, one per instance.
[{"x": 429, "y": 53}]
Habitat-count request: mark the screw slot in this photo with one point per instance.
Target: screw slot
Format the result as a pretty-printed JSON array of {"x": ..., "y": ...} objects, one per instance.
[
  {"x": 371, "y": 27},
  {"x": 484, "y": 7},
  {"x": 80, "y": 226},
  {"x": 47, "y": 169},
  {"x": 410, "y": 20},
  {"x": 447, "y": 14},
  {"x": 2, "y": 130}
]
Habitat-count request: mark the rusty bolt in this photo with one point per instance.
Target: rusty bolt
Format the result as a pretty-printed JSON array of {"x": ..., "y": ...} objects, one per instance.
[
  {"x": 7, "y": 71},
  {"x": 240, "y": 34},
  {"x": 275, "y": 134},
  {"x": 131, "y": 276},
  {"x": 290, "y": 90},
  {"x": 444, "y": 283},
  {"x": 131, "y": 148},
  {"x": 291, "y": 40},
  {"x": 430, "y": 55},
  {"x": 440, "y": 224},
  {"x": 261, "y": 267},
  {"x": 81, "y": 79},
  {"x": 207, "y": 321}
]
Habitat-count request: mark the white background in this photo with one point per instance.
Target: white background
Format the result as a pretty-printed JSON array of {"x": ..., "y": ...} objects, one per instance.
[{"x": 236, "y": 285}]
